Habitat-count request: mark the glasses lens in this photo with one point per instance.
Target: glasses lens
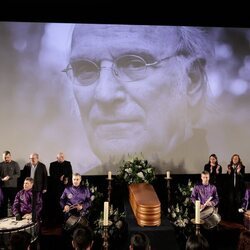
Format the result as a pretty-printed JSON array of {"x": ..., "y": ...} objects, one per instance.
[
  {"x": 85, "y": 72},
  {"x": 130, "y": 68}
]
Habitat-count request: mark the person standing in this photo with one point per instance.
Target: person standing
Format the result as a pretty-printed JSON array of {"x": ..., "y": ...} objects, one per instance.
[
  {"x": 60, "y": 176},
  {"x": 9, "y": 173},
  {"x": 36, "y": 170},
  {"x": 235, "y": 188},
  {"x": 214, "y": 168},
  {"x": 60, "y": 172}
]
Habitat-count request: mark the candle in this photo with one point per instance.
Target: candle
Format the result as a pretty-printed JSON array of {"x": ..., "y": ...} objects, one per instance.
[
  {"x": 168, "y": 174},
  {"x": 197, "y": 211},
  {"x": 106, "y": 214},
  {"x": 109, "y": 175}
]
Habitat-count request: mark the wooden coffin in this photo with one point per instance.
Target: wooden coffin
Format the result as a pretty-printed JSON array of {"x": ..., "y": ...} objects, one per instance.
[{"x": 145, "y": 204}]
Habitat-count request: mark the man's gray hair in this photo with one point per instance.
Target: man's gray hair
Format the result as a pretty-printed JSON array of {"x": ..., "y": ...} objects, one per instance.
[{"x": 194, "y": 41}]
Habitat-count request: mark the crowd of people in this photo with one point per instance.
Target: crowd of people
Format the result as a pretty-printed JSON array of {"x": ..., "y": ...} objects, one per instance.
[{"x": 75, "y": 199}]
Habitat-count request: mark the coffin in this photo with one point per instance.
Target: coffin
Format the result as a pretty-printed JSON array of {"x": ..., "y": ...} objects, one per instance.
[{"x": 145, "y": 204}]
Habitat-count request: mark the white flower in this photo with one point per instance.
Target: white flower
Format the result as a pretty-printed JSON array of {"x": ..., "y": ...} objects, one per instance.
[
  {"x": 92, "y": 197},
  {"x": 128, "y": 170},
  {"x": 186, "y": 201},
  {"x": 141, "y": 175},
  {"x": 173, "y": 214}
]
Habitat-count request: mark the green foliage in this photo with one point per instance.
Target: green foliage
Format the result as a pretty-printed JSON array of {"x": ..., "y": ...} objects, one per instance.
[{"x": 136, "y": 170}]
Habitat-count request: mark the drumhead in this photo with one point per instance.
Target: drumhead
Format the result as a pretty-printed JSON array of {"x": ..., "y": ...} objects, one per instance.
[
  {"x": 205, "y": 213},
  {"x": 74, "y": 221},
  {"x": 10, "y": 223}
]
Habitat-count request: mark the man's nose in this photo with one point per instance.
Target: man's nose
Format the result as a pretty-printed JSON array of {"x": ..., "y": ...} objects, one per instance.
[{"x": 108, "y": 89}]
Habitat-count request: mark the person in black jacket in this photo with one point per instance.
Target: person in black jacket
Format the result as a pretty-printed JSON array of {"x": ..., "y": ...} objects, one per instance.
[
  {"x": 36, "y": 170},
  {"x": 214, "y": 169},
  {"x": 235, "y": 188},
  {"x": 60, "y": 172},
  {"x": 60, "y": 177}
]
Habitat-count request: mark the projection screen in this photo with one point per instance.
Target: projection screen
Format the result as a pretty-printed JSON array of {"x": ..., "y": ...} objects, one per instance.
[{"x": 103, "y": 93}]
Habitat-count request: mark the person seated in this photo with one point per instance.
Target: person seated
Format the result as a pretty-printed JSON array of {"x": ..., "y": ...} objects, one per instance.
[
  {"x": 83, "y": 238},
  {"x": 244, "y": 240},
  {"x": 197, "y": 242},
  {"x": 1, "y": 197},
  {"x": 22, "y": 206},
  {"x": 205, "y": 192},
  {"x": 20, "y": 240},
  {"x": 245, "y": 204},
  {"x": 139, "y": 241},
  {"x": 75, "y": 199}
]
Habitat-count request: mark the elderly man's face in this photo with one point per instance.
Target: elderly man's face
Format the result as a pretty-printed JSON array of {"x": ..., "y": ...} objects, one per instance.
[
  {"x": 146, "y": 115},
  {"x": 27, "y": 185},
  {"x": 33, "y": 159}
]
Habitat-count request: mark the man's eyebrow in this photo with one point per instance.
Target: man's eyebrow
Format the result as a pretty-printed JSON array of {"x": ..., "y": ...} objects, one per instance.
[{"x": 146, "y": 55}]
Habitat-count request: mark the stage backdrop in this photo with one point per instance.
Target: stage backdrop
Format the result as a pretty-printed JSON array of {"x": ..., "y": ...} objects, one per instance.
[{"x": 42, "y": 109}]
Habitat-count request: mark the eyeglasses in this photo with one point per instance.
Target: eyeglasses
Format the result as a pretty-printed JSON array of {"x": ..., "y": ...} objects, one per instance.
[{"x": 127, "y": 68}]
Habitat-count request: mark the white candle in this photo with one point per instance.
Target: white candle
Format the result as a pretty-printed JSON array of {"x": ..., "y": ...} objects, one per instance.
[
  {"x": 106, "y": 213},
  {"x": 197, "y": 211},
  {"x": 109, "y": 175},
  {"x": 168, "y": 174}
]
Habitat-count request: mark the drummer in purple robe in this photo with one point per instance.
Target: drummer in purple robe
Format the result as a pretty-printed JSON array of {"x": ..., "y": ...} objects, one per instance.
[
  {"x": 246, "y": 200},
  {"x": 22, "y": 206},
  {"x": 205, "y": 192},
  {"x": 75, "y": 199},
  {"x": 1, "y": 197}
]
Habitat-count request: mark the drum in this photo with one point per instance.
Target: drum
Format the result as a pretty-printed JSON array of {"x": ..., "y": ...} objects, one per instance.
[
  {"x": 10, "y": 225},
  {"x": 247, "y": 219},
  {"x": 74, "y": 221},
  {"x": 211, "y": 217}
]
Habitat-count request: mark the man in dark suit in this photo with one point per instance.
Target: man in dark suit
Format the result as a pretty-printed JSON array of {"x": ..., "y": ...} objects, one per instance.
[
  {"x": 60, "y": 172},
  {"x": 60, "y": 176},
  {"x": 36, "y": 170}
]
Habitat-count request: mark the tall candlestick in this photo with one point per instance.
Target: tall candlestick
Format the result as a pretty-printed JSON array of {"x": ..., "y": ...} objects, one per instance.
[
  {"x": 168, "y": 174},
  {"x": 109, "y": 175},
  {"x": 106, "y": 214},
  {"x": 197, "y": 211}
]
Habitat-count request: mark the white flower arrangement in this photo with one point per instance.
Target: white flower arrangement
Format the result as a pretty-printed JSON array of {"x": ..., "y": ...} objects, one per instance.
[
  {"x": 116, "y": 218},
  {"x": 179, "y": 215},
  {"x": 136, "y": 170},
  {"x": 94, "y": 193},
  {"x": 181, "y": 212}
]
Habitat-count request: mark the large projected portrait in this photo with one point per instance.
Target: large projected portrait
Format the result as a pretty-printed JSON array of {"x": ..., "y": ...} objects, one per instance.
[{"x": 102, "y": 93}]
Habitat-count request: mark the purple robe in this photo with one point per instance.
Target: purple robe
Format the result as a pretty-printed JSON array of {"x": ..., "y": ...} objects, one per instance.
[
  {"x": 204, "y": 192},
  {"x": 75, "y": 195},
  {"x": 23, "y": 203},
  {"x": 1, "y": 197},
  {"x": 246, "y": 199}
]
